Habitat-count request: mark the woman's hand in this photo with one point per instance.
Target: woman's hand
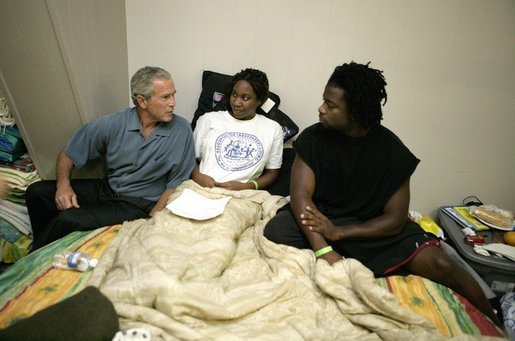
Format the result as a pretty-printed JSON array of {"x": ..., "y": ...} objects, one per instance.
[
  {"x": 232, "y": 185},
  {"x": 202, "y": 179},
  {"x": 315, "y": 221},
  {"x": 205, "y": 180}
]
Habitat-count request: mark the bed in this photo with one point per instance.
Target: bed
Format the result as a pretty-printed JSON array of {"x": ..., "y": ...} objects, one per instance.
[{"x": 179, "y": 278}]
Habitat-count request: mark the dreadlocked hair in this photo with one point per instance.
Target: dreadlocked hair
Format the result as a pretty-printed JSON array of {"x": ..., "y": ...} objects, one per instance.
[
  {"x": 364, "y": 90},
  {"x": 257, "y": 80}
]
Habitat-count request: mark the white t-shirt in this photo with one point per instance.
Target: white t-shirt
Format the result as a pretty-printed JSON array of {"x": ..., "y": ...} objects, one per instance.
[{"x": 237, "y": 150}]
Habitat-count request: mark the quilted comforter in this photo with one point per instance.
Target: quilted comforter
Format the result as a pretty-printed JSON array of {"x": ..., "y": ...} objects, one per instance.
[{"x": 222, "y": 279}]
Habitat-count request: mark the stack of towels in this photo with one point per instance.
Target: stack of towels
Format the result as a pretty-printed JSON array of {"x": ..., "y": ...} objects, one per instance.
[{"x": 17, "y": 172}]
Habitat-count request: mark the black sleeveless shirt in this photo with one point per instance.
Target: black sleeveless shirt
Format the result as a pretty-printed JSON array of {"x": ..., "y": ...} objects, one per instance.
[{"x": 355, "y": 177}]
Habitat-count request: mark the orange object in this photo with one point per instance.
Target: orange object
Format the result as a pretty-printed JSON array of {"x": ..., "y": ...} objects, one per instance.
[{"x": 509, "y": 238}]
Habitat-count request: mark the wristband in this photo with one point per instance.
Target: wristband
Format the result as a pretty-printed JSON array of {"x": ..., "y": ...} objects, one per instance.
[
  {"x": 256, "y": 185},
  {"x": 323, "y": 251}
]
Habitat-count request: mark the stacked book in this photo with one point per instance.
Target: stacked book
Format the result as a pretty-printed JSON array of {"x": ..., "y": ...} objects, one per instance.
[{"x": 461, "y": 215}]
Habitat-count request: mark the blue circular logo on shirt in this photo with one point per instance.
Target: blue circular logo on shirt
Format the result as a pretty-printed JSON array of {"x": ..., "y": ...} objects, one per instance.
[{"x": 238, "y": 151}]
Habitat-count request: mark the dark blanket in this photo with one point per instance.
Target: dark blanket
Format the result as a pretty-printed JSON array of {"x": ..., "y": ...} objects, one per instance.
[{"x": 88, "y": 315}]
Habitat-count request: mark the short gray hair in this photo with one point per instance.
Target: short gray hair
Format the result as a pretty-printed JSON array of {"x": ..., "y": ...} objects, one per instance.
[{"x": 142, "y": 83}]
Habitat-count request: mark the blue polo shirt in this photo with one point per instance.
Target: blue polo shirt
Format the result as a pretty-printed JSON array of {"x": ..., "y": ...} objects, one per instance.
[{"x": 135, "y": 166}]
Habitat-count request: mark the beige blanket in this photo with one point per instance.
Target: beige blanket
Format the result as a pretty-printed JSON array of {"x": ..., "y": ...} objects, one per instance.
[{"x": 221, "y": 279}]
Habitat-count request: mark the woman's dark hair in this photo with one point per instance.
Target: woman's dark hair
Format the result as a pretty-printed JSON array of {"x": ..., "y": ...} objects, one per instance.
[
  {"x": 364, "y": 90},
  {"x": 257, "y": 80}
]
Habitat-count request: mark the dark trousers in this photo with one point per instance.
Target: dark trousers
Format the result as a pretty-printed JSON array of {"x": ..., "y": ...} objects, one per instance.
[
  {"x": 99, "y": 206},
  {"x": 283, "y": 229},
  {"x": 381, "y": 255}
]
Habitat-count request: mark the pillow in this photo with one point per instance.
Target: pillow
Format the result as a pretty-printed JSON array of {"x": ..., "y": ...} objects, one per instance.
[
  {"x": 215, "y": 89},
  {"x": 282, "y": 185},
  {"x": 215, "y": 97},
  {"x": 290, "y": 129}
]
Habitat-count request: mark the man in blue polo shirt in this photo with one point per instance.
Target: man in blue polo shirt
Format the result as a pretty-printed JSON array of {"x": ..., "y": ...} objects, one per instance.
[{"x": 148, "y": 151}]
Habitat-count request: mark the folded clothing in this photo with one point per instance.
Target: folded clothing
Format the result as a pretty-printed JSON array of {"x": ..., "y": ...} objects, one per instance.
[
  {"x": 11, "y": 142},
  {"x": 23, "y": 164},
  {"x": 508, "y": 311},
  {"x": 14, "y": 245}
]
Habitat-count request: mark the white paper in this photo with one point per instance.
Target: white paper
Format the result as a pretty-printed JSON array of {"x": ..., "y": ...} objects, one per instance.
[
  {"x": 267, "y": 105},
  {"x": 506, "y": 250},
  {"x": 192, "y": 205}
]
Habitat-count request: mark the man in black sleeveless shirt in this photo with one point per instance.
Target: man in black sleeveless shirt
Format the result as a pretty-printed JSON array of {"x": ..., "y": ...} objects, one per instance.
[{"x": 350, "y": 190}]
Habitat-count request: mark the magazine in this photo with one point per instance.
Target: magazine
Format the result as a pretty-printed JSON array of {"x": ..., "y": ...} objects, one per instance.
[
  {"x": 464, "y": 212},
  {"x": 463, "y": 218}
]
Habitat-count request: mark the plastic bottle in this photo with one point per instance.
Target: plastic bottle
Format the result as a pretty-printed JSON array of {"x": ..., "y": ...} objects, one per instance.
[{"x": 79, "y": 261}]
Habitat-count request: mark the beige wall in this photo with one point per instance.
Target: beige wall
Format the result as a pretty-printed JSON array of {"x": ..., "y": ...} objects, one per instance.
[
  {"x": 62, "y": 64},
  {"x": 93, "y": 38},
  {"x": 450, "y": 66}
]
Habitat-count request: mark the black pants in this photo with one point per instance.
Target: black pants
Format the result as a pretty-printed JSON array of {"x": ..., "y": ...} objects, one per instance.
[
  {"x": 381, "y": 255},
  {"x": 99, "y": 206}
]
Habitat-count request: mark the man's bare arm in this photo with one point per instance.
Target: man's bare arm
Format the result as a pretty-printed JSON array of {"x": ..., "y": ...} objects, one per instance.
[
  {"x": 389, "y": 223},
  {"x": 65, "y": 196},
  {"x": 302, "y": 187},
  {"x": 163, "y": 200}
]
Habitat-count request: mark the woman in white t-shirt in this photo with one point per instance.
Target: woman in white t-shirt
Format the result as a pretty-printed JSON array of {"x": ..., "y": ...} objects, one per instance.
[{"x": 239, "y": 149}]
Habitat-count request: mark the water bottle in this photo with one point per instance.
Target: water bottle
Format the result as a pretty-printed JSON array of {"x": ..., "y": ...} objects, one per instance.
[{"x": 79, "y": 261}]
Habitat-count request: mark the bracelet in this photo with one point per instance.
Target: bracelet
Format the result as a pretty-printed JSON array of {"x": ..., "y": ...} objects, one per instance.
[
  {"x": 323, "y": 251},
  {"x": 256, "y": 185}
]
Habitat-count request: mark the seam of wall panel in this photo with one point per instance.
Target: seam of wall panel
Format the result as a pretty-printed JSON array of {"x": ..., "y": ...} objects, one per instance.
[
  {"x": 19, "y": 123},
  {"x": 69, "y": 72}
]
